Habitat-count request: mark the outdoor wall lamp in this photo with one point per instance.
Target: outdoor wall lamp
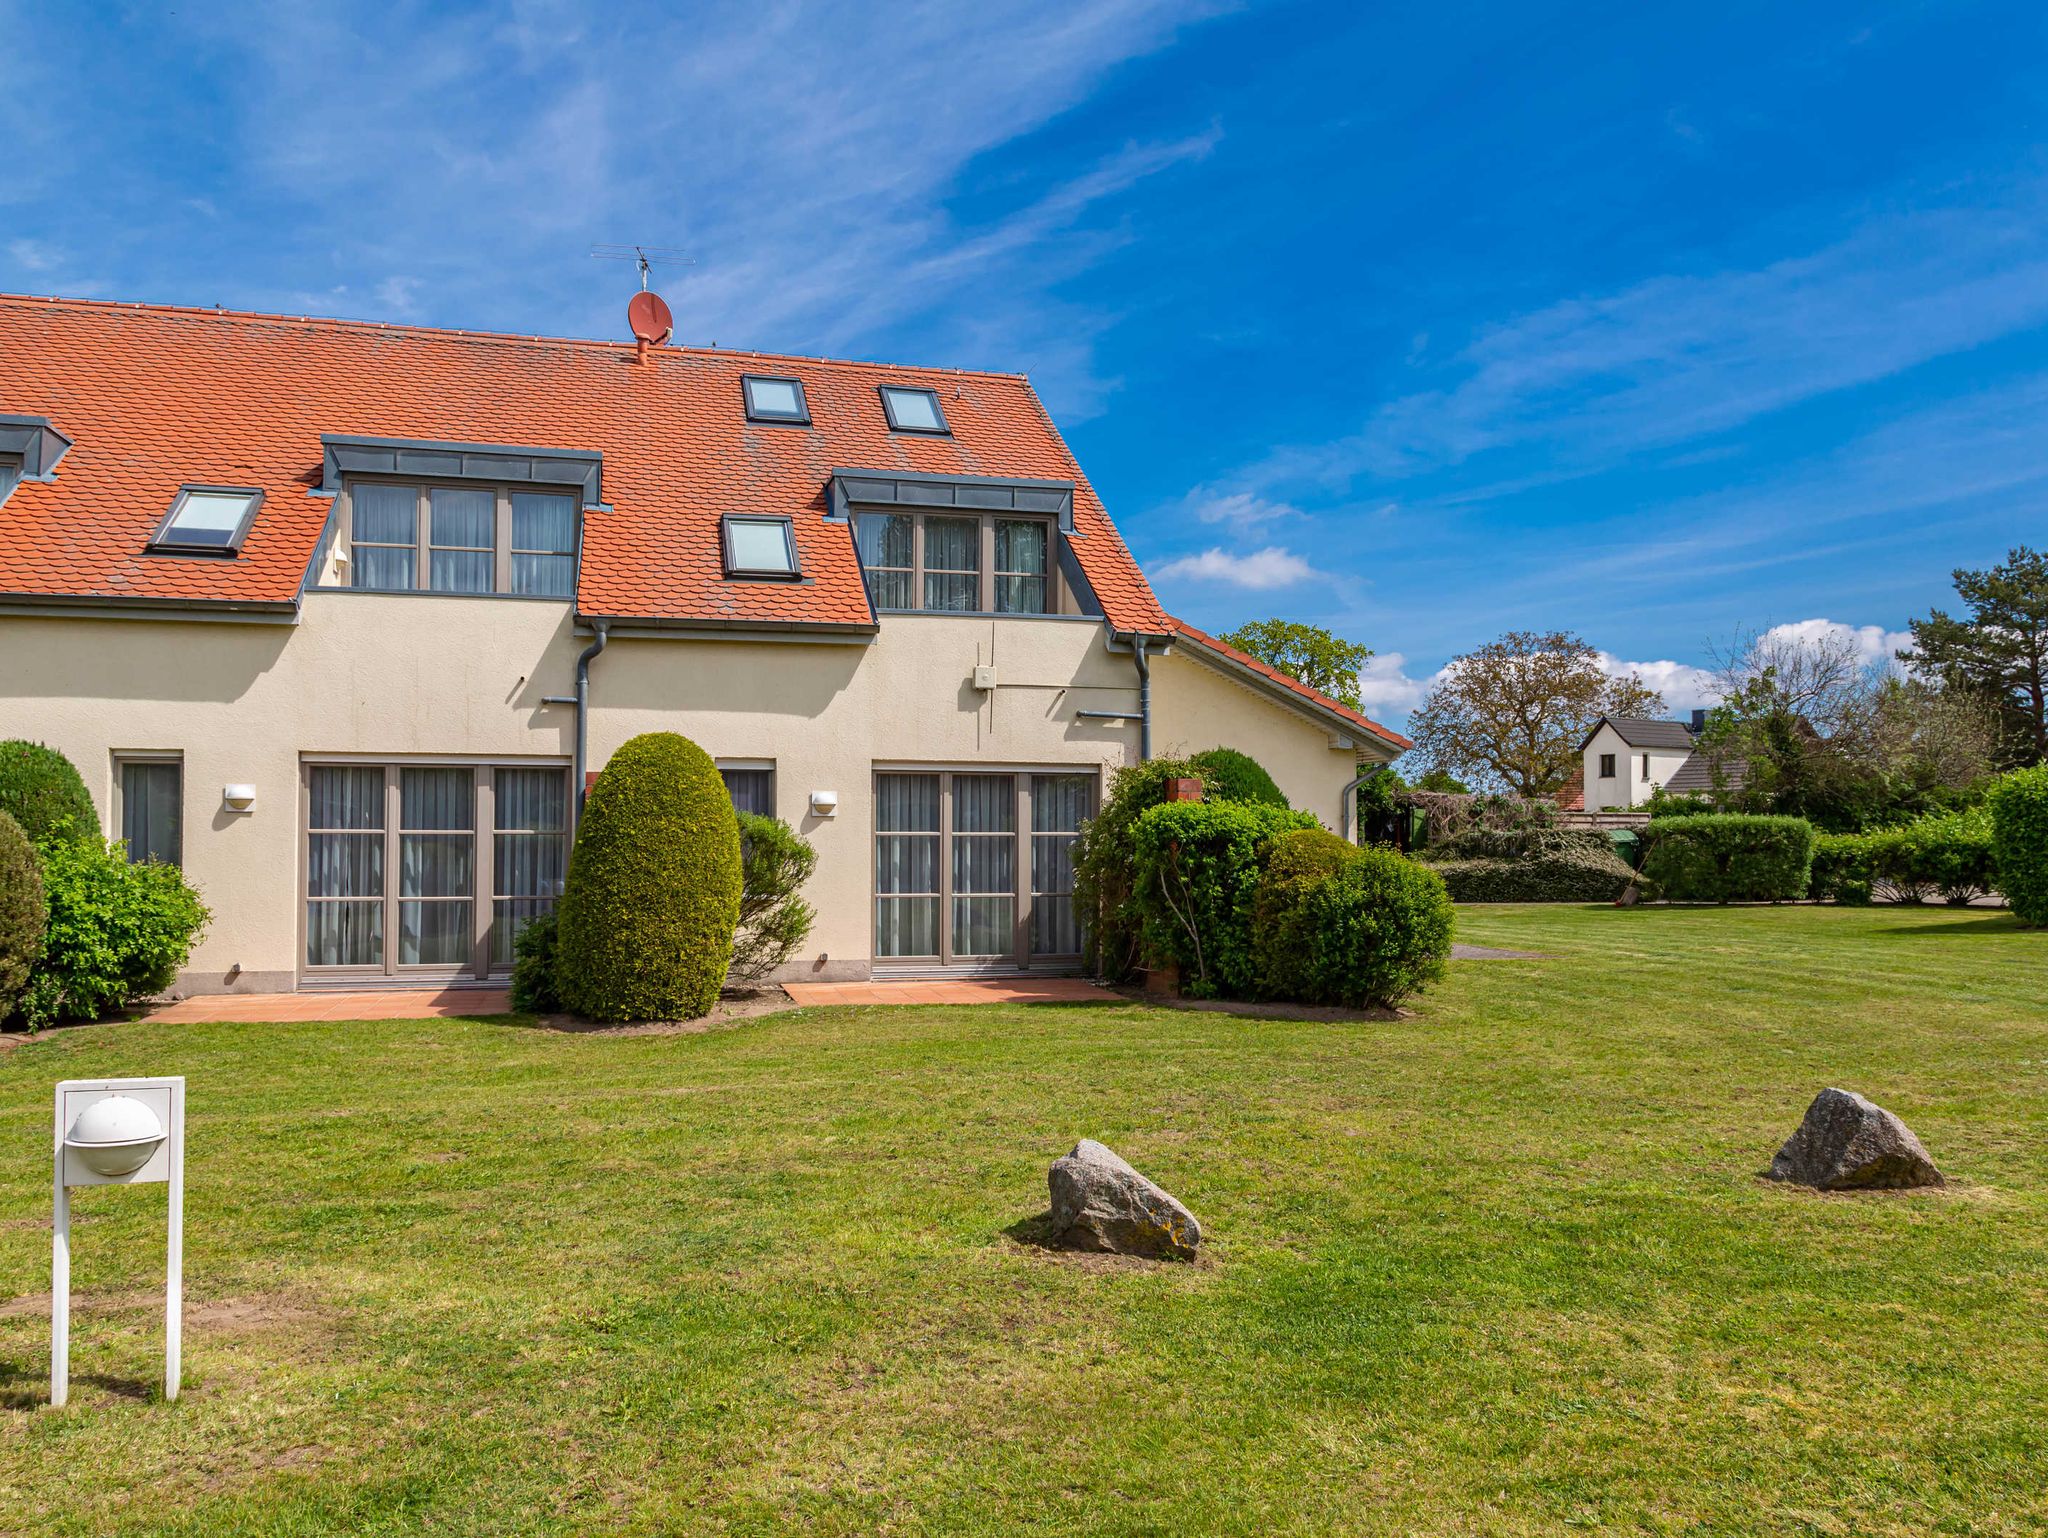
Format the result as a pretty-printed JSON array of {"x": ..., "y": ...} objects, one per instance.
[
  {"x": 824, "y": 803},
  {"x": 238, "y": 798}
]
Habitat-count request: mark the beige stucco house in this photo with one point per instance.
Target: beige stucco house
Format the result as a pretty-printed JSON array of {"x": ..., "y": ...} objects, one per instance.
[{"x": 336, "y": 614}]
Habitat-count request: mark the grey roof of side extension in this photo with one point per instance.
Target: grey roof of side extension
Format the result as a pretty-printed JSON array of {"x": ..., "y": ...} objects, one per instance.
[
  {"x": 1639, "y": 733},
  {"x": 1696, "y": 774}
]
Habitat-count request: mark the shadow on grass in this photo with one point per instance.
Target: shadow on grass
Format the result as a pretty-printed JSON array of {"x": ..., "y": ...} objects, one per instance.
[
  {"x": 1983, "y": 922},
  {"x": 1036, "y": 1231},
  {"x": 23, "y": 1388}
]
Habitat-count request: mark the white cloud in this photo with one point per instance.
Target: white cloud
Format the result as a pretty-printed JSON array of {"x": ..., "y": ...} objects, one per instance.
[
  {"x": 1873, "y": 643},
  {"x": 1243, "y": 509},
  {"x": 1259, "y": 570},
  {"x": 1684, "y": 686},
  {"x": 1384, "y": 684},
  {"x": 34, "y": 255}
]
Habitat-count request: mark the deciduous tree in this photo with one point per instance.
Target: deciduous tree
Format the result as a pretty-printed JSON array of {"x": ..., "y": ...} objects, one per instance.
[
  {"x": 1512, "y": 714},
  {"x": 1307, "y": 653}
]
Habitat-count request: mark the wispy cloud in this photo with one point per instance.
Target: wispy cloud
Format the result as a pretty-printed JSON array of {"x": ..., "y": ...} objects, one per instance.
[
  {"x": 1258, "y": 570},
  {"x": 1384, "y": 684},
  {"x": 819, "y": 167}
]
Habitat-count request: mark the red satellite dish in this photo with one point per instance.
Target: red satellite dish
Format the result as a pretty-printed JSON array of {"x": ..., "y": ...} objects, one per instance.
[{"x": 649, "y": 317}]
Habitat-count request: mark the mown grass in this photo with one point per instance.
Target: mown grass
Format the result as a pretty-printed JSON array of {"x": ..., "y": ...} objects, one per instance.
[{"x": 1504, "y": 1267}]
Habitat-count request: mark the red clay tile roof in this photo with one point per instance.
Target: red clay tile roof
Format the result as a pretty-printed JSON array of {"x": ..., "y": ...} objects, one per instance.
[
  {"x": 156, "y": 397},
  {"x": 1183, "y": 629}
]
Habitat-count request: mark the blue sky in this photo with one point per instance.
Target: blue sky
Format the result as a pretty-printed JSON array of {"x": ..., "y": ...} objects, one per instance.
[{"x": 1421, "y": 322}]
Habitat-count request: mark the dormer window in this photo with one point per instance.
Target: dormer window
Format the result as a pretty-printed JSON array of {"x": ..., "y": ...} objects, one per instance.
[
  {"x": 398, "y": 537},
  {"x": 913, "y": 411},
  {"x": 207, "y": 520},
  {"x": 760, "y": 547},
  {"x": 773, "y": 399}
]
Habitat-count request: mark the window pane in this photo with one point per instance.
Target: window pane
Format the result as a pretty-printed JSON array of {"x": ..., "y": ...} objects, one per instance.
[
  {"x": 508, "y": 917},
  {"x": 759, "y": 544},
  {"x": 385, "y": 568},
  {"x": 344, "y": 934},
  {"x": 386, "y": 515},
  {"x": 345, "y": 865},
  {"x": 433, "y": 933},
  {"x": 952, "y": 544},
  {"x": 207, "y": 518},
  {"x": 907, "y": 803},
  {"x": 984, "y": 864},
  {"x": 10, "y": 477},
  {"x": 884, "y": 539},
  {"x": 544, "y": 576},
  {"x": 460, "y": 571},
  {"x": 461, "y": 517},
  {"x": 952, "y": 594},
  {"x": 984, "y": 926},
  {"x": 436, "y": 799},
  {"x": 907, "y": 926},
  {"x": 436, "y": 864},
  {"x": 774, "y": 398},
  {"x": 1020, "y": 595},
  {"x": 914, "y": 409},
  {"x": 752, "y": 790},
  {"x": 541, "y": 521},
  {"x": 347, "y": 798},
  {"x": 150, "y": 814},
  {"x": 535, "y": 800},
  {"x": 1059, "y": 802},
  {"x": 1020, "y": 546},
  {"x": 891, "y": 589},
  {"x": 907, "y": 862},
  {"x": 984, "y": 803}
]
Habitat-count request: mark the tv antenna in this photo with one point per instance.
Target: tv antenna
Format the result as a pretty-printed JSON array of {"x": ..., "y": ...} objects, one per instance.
[{"x": 645, "y": 257}]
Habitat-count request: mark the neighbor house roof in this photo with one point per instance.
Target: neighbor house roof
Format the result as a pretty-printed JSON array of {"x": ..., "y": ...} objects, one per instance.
[
  {"x": 1245, "y": 662},
  {"x": 153, "y": 398},
  {"x": 1638, "y": 732},
  {"x": 1696, "y": 775}
]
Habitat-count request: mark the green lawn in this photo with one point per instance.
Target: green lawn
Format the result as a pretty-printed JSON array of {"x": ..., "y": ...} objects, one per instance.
[{"x": 1504, "y": 1267}]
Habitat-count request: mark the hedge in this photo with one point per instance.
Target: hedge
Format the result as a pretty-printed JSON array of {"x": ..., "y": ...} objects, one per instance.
[
  {"x": 1235, "y": 776},
  {"x": 535, "y": 949},
  {"x": 1380, "y": 928},
  {"x": 1112, "y": 931},
  {"x": 2019, "y": 841},
  {"x": 116, "y": 932},
  {"x": 1730, "y": 858},
  {"x": 646, "y": 919},
  {"x": 1576, "y": 875},
  {"x": 41, "y": 790},
  {"x": 23, "y": 912},
  {"x": 1195, "y": 868},
  {"x": 1282, "y": 930},
  {"x": 1843, "y": 869},
  {"x": 1950, "y": 854}
]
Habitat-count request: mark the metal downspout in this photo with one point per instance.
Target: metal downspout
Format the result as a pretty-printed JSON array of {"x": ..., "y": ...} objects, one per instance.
[
  {"x": 583, "y": 707},
  {"x": 1144, "y": 698},
  {"x": 1346, "y": 796}
]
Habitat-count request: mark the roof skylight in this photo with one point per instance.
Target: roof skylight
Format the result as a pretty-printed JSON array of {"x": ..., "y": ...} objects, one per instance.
[
  {"x": 771, "y": 399},
  {"x": 207, "y": 520},
  {"x": 760, "y": 547},
  {"x": 913, "y": 411}
]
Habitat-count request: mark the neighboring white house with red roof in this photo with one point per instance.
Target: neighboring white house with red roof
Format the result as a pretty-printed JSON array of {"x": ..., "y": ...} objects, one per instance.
[{"x": 334, "y": 613}]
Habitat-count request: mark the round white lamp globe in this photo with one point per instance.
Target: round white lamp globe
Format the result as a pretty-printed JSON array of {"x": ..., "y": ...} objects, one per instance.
[{"x": 115, "y": 1136}]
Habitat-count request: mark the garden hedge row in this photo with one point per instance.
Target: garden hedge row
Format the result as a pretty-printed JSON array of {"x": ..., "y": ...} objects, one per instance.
[
  {"x": 2019, "y": 838},
  {"x": 1581, "y": 875},
  {"x": 1729, "y": 858}
]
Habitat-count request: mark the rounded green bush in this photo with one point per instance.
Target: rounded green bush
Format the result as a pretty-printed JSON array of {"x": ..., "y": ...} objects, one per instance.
[
  {"x": 2019, "y": 841},
  {"x": 1380, "y": 929},
  {"x": 23, "y": 912},
  {"x": 116, "y": 932},
  {"x": 41, "y": 790},
  {"x": 1195, "y": 868},
  {"x": 646, "y": 919},
  {"x": 1235, "y": 776},
  {"x": 1282, "y": 932}
]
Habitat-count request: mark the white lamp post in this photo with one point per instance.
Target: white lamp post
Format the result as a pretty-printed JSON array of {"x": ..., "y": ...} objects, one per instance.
[{"x": 117, "y": 1132}]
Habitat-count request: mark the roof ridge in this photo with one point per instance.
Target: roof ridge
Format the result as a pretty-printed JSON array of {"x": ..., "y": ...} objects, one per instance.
[{"x": 506, "y": 338}]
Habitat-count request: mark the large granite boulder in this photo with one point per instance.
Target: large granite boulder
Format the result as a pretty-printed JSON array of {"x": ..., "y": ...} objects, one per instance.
[
  {"x": 1847, "y": 1144},
  {"x": 1100, "y": 1203}
]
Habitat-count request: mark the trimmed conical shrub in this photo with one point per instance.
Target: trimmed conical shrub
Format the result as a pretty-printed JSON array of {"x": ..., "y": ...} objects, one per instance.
[
  {"x": 41, "y": 790},
  {"x": 646, "y": 919},
  {"x": 22, "y": 912}
]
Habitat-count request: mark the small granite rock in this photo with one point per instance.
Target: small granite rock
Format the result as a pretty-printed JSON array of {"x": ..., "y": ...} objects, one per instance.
[
  {"x": 1847, "y": 1144},
  {"x": 1100, "y": 1203}
]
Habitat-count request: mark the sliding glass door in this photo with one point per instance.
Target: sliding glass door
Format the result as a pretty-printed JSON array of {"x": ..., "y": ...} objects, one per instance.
[
  {"x": 976, "y": 869},
  {"x": 397, "y": 869}
]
